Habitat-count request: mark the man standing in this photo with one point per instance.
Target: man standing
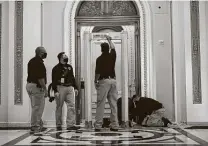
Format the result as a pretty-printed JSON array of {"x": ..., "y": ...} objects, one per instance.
[
  {"x": 65, "y": 89},
  {"x": 36, "y": 88},
  {"x": 105, "y": 85}
]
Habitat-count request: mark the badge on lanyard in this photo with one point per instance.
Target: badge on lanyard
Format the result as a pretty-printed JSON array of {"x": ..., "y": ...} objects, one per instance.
[{"x": 62, "y": 80}]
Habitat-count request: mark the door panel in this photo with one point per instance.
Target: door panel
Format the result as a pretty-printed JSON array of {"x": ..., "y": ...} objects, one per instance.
[{"x": 91, "y": 51}]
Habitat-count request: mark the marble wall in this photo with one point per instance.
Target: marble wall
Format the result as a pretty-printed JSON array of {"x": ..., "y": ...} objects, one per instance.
[
  {"x": 178, "y": 92},
  {"x": 4, "y": 61},
  {"x": 162, "y": 54}
]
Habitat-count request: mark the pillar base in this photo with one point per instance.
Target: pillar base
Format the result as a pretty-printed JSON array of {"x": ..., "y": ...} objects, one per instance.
[
  {"x": 125, "y": 124},
  {"x": 88, "y": 124}
]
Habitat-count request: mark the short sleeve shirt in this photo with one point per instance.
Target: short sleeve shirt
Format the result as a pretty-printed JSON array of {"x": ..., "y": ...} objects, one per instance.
[
  {"x": 105, "y": 64},
  {"x": 36, "y": 70}
]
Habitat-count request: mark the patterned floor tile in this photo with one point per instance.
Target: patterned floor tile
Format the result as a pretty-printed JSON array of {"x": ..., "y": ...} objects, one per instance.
[{"x": 141, "y": 136}]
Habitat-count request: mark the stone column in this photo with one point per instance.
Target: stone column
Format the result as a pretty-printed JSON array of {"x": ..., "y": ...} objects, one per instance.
[
  {"x": 124, "y": 71},
  {"x": 88, "y": 78}
]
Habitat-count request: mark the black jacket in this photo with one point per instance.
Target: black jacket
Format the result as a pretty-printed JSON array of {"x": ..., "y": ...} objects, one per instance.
[
  {"x": 105, "y": 64},
  {"x": 63, "y": 71},
  {"x": 145, "y": 106},
  {"x": 36, "y": 70}
]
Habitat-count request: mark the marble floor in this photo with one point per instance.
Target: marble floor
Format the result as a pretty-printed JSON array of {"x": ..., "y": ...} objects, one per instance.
[{"x": 139, "y": 136}]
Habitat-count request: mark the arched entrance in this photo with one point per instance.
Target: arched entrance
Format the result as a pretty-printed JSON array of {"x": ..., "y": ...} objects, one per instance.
[
  {"x": 145, "y": 27},
  {"x": 137, "y": 16}
]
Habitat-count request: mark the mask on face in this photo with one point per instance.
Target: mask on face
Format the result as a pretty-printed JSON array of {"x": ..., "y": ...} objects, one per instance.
[
  {"x": 66, "y": 60},
  {"x": 44, "y": 55}
]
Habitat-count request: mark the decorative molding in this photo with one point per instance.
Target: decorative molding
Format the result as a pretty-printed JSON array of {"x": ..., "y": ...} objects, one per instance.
[
  {"x": 144, "y": 57},
  {"x": 0, "y": 45},
  {"x": 14, "y": 124},
  {"x": 41, "y": 23},
  {"x": 195, "y": 42},
  {"x": 91, "y": 8},
  {"x": 197, "y": 123},
  {"x": 132, "y": 62},
  {"x": 18, "y": 52},
  {"x": 122, "y": 8},
  {"x": 70, "y": 34},
  {"x": 100, "y": 28},
  {"x": 107, "y": 8}
]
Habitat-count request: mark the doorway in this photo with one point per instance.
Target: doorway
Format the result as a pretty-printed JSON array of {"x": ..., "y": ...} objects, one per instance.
[
  {"x": 90, "y": 53},
  {"x": 110, "y": 16},
  {"x": 105, "y": 18},
  {"x": 114, "y": 13},
  {"x": 125, "y": 66}
]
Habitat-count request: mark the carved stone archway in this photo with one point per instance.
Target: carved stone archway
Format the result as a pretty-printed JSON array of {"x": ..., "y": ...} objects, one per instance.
[
  {"x": 147, "y": 63},
  {"x": 106, "y": 8},
  {"x": 137, "y": 15},
  {"x": 110, "y": 13},
  {"x": 115, "y": 28}
]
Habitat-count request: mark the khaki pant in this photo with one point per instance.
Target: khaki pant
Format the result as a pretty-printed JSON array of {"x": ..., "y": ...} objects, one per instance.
[
  {"x": 107, "y": 89},
  {"x": 37, "y": 104},
  {"x": 155, "y": 119},
  {"x": 65, "y": 94}
]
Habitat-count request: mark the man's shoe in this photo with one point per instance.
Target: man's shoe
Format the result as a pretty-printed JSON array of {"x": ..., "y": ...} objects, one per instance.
[
  {"x": 58, "y": 128},
  {"x": 34, "y": 131},
  {"x": 73, "y": 128},
  {"x": 112, "y": 129},
  {"x": 166, "y": 121},
  {"x": 31, "y": 131},
  {"x": 43, "y": 129}
]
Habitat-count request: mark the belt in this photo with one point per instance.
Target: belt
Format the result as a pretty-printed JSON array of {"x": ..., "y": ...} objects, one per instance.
[
  {"x": 66, "y": 85},
  {"x": 107, "y": 77},
  {"x": 31, "y": 82},
  {"x": 37, "y": 85}
]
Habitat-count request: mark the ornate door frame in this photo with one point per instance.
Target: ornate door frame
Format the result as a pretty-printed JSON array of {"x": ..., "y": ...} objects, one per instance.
[
  {"x": 148, "y": 77},
  {"x": 88, "y": 37},
  {"x": 100, "y": 22},
  {"x": 143, "y": 33}
]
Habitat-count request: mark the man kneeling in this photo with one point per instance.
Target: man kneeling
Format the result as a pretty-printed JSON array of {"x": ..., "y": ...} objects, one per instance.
[{"x": 149, "y": 111}]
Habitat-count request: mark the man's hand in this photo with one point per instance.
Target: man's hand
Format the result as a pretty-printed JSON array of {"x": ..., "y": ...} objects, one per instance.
[
  {"x": 56, "y": 95},
  {"x": 134, "y": 104},
  {"x": 46, "y": 93},
  {"x": 76, "y": 92},
  {"x": 108, "y": 37},
  {"x": 96, "y": 84},
  {"x": 110, "y": 42}
]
